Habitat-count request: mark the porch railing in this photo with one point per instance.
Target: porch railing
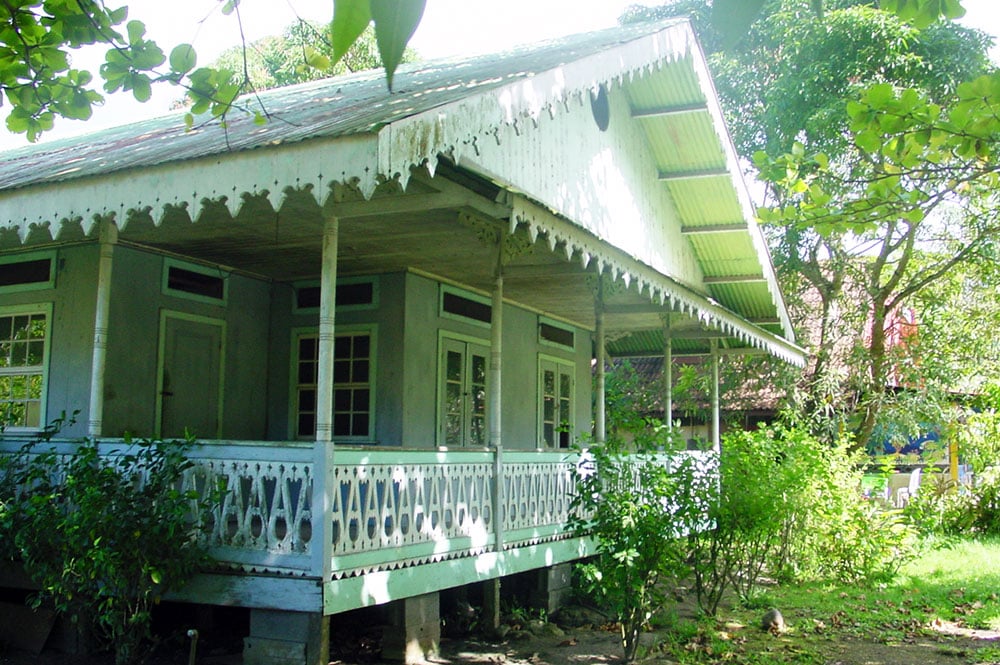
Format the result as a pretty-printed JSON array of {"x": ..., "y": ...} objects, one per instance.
[{"x": 389, "y": 508}]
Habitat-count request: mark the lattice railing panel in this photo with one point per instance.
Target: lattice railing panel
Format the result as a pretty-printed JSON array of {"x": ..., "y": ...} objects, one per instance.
[
  {"x": 537, "y": 493},
  {"x": 264, "y": 505},
  {"x": 380, "y": 505}
]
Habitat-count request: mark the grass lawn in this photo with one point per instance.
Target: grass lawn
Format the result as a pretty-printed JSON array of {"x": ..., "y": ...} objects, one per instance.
[{"x": 953, "y": 588}]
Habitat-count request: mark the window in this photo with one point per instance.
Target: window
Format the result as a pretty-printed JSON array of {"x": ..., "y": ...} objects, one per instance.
[
  {"x": 24, "y": 336},
  {"x": 195, "y": 282},
  {"x": 555, "y": 334},
  {"x": 353, "y": 385},
  {"x": 27, "y": 272},
  {"x": 555, "y": 409},
  {"x": 465, "y": 306},
  {"x": 352, "y": 293},
  {"x": 462, "y": 390}
]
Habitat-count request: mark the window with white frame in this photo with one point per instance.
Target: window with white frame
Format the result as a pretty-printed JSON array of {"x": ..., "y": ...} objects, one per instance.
[
  {"x": 463, "y": 381},
  {"x": 353, "y": 384},
  {"x": 556, "y": 388},
  {"x": 24, "y": 344}
]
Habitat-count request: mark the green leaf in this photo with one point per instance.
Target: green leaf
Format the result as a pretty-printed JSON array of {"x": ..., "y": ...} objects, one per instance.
[
  {"x": 316, "y": 59},
  {"x": 136, "y": 29},
  {"x": 869, "y": 141},
  {"x": 141, "y": 88},
  {"x": 350, "y": 18},
  {"x": 395, "y": 23},
  {"x": 183, "y": 59}
]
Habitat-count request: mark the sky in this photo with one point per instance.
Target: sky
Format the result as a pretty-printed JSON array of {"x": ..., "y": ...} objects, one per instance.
[{"x": 448, "y": 28}]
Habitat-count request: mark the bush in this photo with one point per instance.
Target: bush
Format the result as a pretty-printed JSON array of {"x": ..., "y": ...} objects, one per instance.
[
  {"x": 104, "y": 536},
  {"x": 640, "y": 508}
]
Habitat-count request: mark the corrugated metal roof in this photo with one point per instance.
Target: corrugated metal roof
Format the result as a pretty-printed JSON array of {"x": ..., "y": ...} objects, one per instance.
[
  {"x": 665, "y": 82},
  {"x": 345, "y": 105}
]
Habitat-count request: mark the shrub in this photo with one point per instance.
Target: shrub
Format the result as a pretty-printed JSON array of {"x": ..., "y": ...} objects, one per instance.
[
  {"x": 640, "y": 508},
  {"x": 104, "y": 536}
]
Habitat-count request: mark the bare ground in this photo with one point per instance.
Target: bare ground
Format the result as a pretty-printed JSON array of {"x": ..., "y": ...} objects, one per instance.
[{"x": 938, "y": 644}]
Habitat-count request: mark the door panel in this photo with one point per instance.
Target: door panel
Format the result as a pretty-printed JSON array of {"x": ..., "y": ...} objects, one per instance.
[{"x": 191, "y": 374}]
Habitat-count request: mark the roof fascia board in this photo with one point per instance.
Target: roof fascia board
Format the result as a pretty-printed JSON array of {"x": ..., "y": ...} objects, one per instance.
[
  {"x": 700, "y": 66},
  {"x": 312, "y": 164},
  {"x": 672, "y": 296}
]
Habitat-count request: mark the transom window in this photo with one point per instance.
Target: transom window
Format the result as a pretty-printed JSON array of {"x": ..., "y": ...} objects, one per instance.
[
  {"x": 24, "y": 335},
  {"x": 27, "y": 272},
  {"x": 353, "y": 385}
]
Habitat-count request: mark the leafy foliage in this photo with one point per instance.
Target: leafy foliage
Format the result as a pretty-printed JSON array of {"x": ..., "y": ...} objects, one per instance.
[
  {"x": 873, "y": 128},
  {"x": 640, "y": 508},
  {"x": 103, "y": 535},
  {"x": 303, "y": 52}
]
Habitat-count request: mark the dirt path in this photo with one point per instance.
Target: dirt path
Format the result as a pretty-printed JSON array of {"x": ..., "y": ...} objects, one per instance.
[{"x": 941, "y": 644}]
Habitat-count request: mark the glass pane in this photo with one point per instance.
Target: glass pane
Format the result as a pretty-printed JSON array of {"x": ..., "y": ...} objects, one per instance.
[
  {"x": 342, "y": 347},
  {"x": 453, "y": 430},
  {"x": 548, "y": 410},
  {"x": 307, "y": 372},
  {"x": 20, "y": 327},
  {"x": 565, "y": 385},
  {"x": 361, "y": 397},
  {"x": 33, "y": 414},
  {"x": 35, "y": 386},
  {"x": 342, "y": 424},
  {"x": 307, "y": 424},
  {"x": 477, "y": 436},
  {"x": 307, "y": 348},
  {"x": 563, "y": 411},
  {"x": 453, "y": 369},
  {"x": 362, "y": 346},
  {"x": 19, "y": 354},
  {"x": 307, "y": 400},
  {"x": 548, "y": 434},
  {"x": 548, "y": 382},
  {"x": 35, "y": 353},
  {"x": 360, "y": 371},
  {"x": 479, "y": 370},
  {"x": 38, "y": 327},
  {"x": 342, "y": 371},
  {"x": 342, "y": 400},
  {"x": 360, "y": 425}
]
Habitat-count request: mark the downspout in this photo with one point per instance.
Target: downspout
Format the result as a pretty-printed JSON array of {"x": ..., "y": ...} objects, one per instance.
[
  {"x": 102, "y": 312},
  {"x": 715, "y": 395},
  {"x": 600, "y": 421},
  {"x": 668, "y": 376},
  {"x": 495, "y": 399}
]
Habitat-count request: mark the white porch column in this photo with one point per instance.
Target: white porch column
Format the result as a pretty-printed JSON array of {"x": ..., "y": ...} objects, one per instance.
[
  {"x": 668, "y": 376},
  {"x": 109, "y": 237},
  {"x": 715, "y": 395},
  {"x": 321, "y": 542},
  {"x": 600, "y": 418},
  {"x": 495, "y": 398}
]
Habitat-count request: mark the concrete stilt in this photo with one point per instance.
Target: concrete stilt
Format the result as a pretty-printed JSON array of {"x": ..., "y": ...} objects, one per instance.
[
  {"x": 414, "y": 633},
  {"x": 491, "y": 605},
  {"x": 287, "y": 638},
  {"x": 553, "y": 586}
]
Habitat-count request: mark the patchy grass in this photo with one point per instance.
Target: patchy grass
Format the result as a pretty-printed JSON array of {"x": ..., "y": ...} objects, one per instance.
[{"x": 951, "y": 587}]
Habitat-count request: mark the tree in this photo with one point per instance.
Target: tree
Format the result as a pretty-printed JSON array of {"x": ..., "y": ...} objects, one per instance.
[
  {"x": 39, "y": 83},
  {"x": 854, "y": 238},
  {"x": 303, "y": 52}
]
